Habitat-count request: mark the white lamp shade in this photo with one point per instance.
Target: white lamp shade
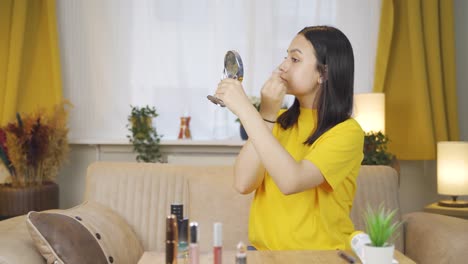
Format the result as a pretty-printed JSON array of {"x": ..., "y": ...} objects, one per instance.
[
  {"x": 452, "y": 168},
  {"x": 369, "y": 111}
]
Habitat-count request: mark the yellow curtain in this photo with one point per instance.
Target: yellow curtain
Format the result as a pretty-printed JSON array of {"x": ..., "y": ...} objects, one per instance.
[
  {"x": 415, "y": 68},
  {"x": 29, "y": 57}
]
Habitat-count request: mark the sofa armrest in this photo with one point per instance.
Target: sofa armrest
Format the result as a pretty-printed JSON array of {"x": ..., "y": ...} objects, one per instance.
[
  {"x": 16, "y": 246},
  {"x": 433, "y": 238}
]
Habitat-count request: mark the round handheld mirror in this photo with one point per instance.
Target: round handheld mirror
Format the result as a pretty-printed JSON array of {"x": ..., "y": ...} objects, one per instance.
[{"x": 233, "y": 68}]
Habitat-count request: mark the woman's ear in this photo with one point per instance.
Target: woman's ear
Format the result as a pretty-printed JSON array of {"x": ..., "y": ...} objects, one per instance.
[{"x": 324, "y": 75}]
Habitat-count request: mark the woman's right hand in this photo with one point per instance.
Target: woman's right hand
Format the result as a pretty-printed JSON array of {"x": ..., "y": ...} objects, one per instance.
[{"x": 272, "y": 95}]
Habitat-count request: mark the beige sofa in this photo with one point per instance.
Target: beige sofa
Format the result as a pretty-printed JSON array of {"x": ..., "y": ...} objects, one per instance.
[{"x": 142, "y": 194}]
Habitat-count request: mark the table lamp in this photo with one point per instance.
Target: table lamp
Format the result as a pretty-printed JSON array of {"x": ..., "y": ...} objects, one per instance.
[
  {"x": 452, "y": 172},
  {"x": 369, "y": 111}
]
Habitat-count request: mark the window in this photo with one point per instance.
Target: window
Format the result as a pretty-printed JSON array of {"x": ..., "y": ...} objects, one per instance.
[{"x": 169, "y": 54}]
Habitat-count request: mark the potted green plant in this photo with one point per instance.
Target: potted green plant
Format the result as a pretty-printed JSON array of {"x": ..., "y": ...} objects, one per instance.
[
  {"x": 375, "y": 151},
  {"x": 381, "y": 227},
  {"x": 256, "y": 103},
  {"x": 32, "y": 149},
  {"x": 143, "y": 136}
]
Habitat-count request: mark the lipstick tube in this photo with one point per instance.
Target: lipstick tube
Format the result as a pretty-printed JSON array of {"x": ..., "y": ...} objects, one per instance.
[
  {"x": 171, "y": 239},
  {"x": 217, "y": 243}
]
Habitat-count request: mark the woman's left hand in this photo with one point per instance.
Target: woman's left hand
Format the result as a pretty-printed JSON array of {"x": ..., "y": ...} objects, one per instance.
[{"x": 233, "y": 95}]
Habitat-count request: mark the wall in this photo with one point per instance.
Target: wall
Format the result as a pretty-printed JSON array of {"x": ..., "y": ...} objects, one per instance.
[
  {"x": 418, "y": 182},
  {"x": 461, "y": 47}
]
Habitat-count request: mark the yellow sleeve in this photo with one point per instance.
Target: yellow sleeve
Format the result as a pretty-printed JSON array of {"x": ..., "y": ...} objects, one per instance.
[{"x": 337, "y": 152}]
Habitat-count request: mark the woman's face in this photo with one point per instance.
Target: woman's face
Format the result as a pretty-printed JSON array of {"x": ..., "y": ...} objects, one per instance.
[{"x": 299, "y": 69}]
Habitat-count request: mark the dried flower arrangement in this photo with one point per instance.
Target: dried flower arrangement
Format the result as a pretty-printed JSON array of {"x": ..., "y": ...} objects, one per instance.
[{"x": 35, "y": 146}]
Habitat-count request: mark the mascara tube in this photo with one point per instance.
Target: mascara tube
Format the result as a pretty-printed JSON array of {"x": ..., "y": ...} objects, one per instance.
[{"x": 171, "y": 239}]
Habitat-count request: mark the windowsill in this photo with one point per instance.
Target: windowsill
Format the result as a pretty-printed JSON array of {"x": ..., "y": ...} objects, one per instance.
[
  {"x": 175, "y": 142},
  {"x": 122, "y": 149}
]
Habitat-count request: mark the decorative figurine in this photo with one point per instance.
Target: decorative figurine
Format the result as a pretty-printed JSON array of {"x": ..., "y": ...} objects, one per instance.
[{"x": 184, "y": 132}]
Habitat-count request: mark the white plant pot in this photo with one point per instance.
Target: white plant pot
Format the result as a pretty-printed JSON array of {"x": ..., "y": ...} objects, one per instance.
[{"x": 378, "y": 255}]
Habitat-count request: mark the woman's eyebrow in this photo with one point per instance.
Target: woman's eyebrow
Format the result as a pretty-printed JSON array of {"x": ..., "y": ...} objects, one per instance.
[{"x": 294, "y": 50}]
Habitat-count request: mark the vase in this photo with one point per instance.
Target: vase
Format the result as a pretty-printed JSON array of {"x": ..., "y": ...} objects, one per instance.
[
  {"x": 378, "y": 255},
  {"x": 184, "y": 131},
  {"x": 15, "y": 201},
  {"x": 243, "y": 133}
]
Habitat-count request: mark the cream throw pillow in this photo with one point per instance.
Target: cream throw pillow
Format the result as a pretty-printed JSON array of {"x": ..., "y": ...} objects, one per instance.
[{"x": 88, "y": 233}]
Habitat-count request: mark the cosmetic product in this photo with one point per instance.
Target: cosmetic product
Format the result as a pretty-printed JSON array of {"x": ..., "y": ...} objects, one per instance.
[
  {"x": 177, "y": 209},
  {"x": 346, "y": 257},
  {"x": 171, "y": 239},
  {"x": 183, "y": 249},
  {"x": 194, "y": 251},
  {"x": 217, "y": 243},
  {"x": 183, "y": 234},
  {"x": 241, "y": 254}
]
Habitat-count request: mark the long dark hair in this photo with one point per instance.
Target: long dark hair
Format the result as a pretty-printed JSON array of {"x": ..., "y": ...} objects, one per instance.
[{"x": 335, "y": 63}]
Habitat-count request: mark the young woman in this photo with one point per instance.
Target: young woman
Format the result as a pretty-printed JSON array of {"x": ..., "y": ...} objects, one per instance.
[{"x": 302, "y": 163}]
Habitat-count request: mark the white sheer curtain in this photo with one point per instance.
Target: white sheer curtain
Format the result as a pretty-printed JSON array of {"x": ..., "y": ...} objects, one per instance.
[{"x": 169, "y": 54}]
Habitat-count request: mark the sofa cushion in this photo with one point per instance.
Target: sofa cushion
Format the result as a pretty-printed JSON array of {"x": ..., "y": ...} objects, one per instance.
[
  {"x": 377, "y": 185},
  {"x": 214, "y": 199},
  {"x": 89, "y": 233},
  {"x": 14, "y": 239},
  {"x": 433, "y": 238},
  {"x": 141, "y": 193}
]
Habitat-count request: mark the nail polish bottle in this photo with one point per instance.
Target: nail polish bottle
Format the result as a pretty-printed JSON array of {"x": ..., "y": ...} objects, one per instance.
[
  {"x": 194, "y": 251},
  {"x": 241, "y": 254}
]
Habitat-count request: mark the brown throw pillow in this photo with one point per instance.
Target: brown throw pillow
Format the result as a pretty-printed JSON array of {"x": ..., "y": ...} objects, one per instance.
[{"x": 88, "y": 233}]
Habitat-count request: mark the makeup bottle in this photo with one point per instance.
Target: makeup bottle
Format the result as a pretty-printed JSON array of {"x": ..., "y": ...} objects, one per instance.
[
  {"x": 241, "y": 254},
  {"x": 171, "y": 239},
  {"x": 217, "y": 243},
  {"x": 194, "y": 251},
  {"x": 183, "y": 233}
]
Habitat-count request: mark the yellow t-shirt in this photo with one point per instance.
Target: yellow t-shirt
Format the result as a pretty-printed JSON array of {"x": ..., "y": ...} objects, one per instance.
[{"x": 317, "y": 218}]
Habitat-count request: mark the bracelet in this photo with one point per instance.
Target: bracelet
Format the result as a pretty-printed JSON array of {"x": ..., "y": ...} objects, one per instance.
[{"x": 269, "y": 121}]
